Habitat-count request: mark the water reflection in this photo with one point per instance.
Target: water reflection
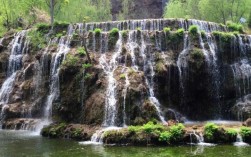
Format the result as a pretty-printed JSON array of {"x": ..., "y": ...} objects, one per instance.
[{"x": 24, "y": 144}]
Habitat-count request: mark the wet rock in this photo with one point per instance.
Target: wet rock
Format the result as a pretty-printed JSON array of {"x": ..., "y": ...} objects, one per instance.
[{"x": 247, "y": 122}]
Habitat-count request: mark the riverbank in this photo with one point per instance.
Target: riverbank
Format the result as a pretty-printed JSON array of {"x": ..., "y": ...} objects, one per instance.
[{"x": 155, "y": 134}]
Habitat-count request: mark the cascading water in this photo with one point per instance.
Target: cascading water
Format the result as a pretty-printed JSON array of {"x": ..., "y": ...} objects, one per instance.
[
  {"x": 239, "y": 141},
  {"x": 54, "y": 92},
  {"x": 199, "y": 139},
  {"x": 18, "y": 48},
  {"x": 148, "y": 66},
  {"x": 109, "y": 68}
]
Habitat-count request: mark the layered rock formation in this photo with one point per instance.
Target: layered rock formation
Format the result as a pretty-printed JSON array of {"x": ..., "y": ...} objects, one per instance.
[{"x": 145, "y": 71}]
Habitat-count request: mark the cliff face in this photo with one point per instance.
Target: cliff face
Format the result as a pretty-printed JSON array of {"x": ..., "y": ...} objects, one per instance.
[
  {"x": 134, "y": 75},
  {"x": 140, "y": 9}
]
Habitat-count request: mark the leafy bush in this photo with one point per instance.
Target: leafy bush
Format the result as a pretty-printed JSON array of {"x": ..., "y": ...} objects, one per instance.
[
  {"x": 70, "y": 60},
  {"x": 81, "y": 51},
  {"x": 87, "y": 76},
  {"x": 180, "y": 32},
  {"x": 125, "y": 33},
  {"x": 231, "y": 132},
  {"x": 194, "y": 30},
  {"x": 86, "y": 66},
  {"x": 165, "y": 137},
  {"x": 235, "y": 27},
  {"x": 97, "y": 31},
  {"x": 122, "y": 76},
  {"x": 203, "y": 34},
  {"x": 134, "y": 129},
  {"x": 245, "y": 132},
  {"x": 43, "y": 28},
  {"x": 167, "y": 30},
  {"x": 151, "y": 127},
  {"x": 210, "y": 129},
  {"x": 114, "y": 32},
  {"x": 37, "y": 40},
  {"x": 223, "y": 36},
  {"x": 177, "y": 131}
]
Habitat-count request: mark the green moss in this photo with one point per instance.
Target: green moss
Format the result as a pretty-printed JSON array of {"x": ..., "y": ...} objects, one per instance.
[
  {"x": 97, "y": 31},
  {"x": 81, "y": 51},
  {"x": 235, "y": 27},
  {"x": 210, "y": 130},
  {"x": 160, "y": 66},
  {"x": 61, "y": 24},
  {"x": 203, "y": 34},
  {"x": 193, "y": 30},
  {"x": 113, "y": 37},
  {"x": 122, "y": 76},
  {"x": 224, "y": 37},
  {"x": 125, "y": 34},
  {"x": 167, "y": 30}
]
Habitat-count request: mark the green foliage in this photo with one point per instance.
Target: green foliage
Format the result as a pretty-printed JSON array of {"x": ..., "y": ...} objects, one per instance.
[
  {"x": 210, "y": 10},
  {"x": 180, "y": 32},
  {"x": 245, "y": 132},
  {"x": 125, "y": 33},
  {"x": 59, "y": 35},
  {"x": 165, "y": 136},
  {"x": 231, "y": 132},
  {"x": 81, "y": 51},
  {"x": 114, "y": 32},
  {"x": 151, "y": 127},
  {"x": 134, "y": 129},
  {"x": 249, "y": 20},
  {"x": 70, "y": 60},
  {"x": 113, "y": 37},
  {"x": 97, "y": 31},
  {"x": 193, "y": 30},
  {"x": 43, "y": 28},
  {"x": 175, "y": 134},
  {"x": 223, "y": 36},
  {"x": 122, "y": 76},
  {"x": 203, "y": 34},
  {"x": 86, "y": 66},
  {"x": 234, "y": 27},
  {"x": 167, "y": 30},
  {"x": 37, "y": 40},
  {"x": 77, "y": 133},
  {"x": 210, "y": 129},
  {"x": 87, "y": 76}
]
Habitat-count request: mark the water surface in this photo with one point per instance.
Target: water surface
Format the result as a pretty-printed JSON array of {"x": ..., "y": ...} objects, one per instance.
[{"x": 26, "y": 144}]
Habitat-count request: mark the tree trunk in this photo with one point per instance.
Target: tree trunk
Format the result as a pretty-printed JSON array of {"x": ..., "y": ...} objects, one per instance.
[{"x": 52, "y": 4}]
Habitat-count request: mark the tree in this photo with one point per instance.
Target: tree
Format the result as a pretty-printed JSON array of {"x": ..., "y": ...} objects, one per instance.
[
  {"x": 249, "y": 20},
  {"x": 54, "y": 6}
]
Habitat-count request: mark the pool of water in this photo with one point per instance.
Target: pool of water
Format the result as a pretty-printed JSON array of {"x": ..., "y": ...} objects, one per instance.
[{"x": 26, "y": 144}]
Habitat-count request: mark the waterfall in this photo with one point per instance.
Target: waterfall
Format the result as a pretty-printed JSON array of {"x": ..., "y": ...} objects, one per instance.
[
  {"x": 239, "y": 141},
  {"x": 199, "y": 139},
  {"x": 18, "y": 48},
  {"x": 109, "y": 68},
  {"x": 148, "y": 66},
  {"x": 54, "y": 89},
  {"x": 182, "y": 64}
]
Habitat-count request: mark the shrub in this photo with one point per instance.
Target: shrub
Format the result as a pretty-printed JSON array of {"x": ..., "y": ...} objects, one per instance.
[
  {"x": 59, "y": 35},
  {"x": 167, "y": 30},
  {"x": 86, "y": 66},
  {"x": 180, "y": 32},
  {"x": 43, "y": 28},
  {"x": 60, "y": 24},
  {"x": 235, "y": 27},
  {"x": 70, "y": 60},
  {"x": 37, "y": 40},
  {"x": 245, "y": 132},
  {"x": 113, "y": 37},
  {"x": 165, "y": 137},
  {"x": 87, "y": 76},
  {"x": 134, "y": 129},
  {"x": 249, "y": 20},
  {"x": 151, "y": 127},
  {"x": 203, "y": 34},
  {"x": 122, "y": 76},
  {"x": 231, "y": 132},
  {"x": 210, "y": 129},
  {"x": 223, "y": 36},
  {"x": 194, "y": 30},
  {"x": 97, "y": 31},
  {"x": 114, "y": 32},
  {"x": 81, "y": 51},
  {"x": 125, "y": 33},
  {"x": 177, "y": 131}
]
